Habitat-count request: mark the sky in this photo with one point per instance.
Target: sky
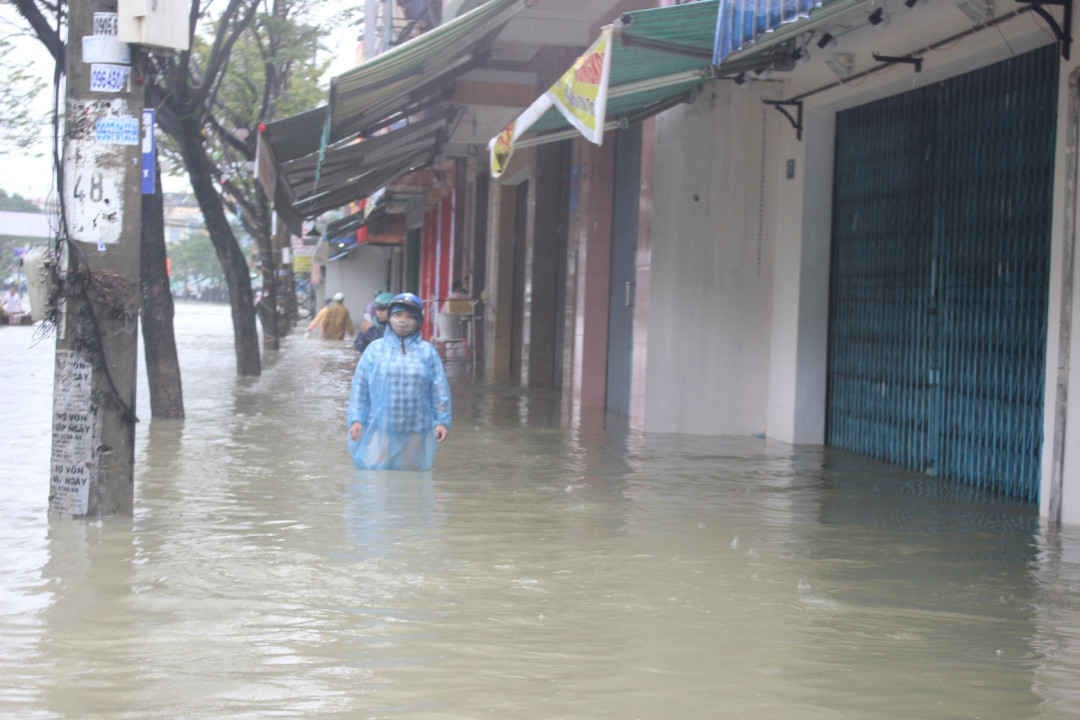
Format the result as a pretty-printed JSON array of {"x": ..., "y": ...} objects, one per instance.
[
  {"x": 21, "y": 172},
  {"x": 30, "y": 174}
]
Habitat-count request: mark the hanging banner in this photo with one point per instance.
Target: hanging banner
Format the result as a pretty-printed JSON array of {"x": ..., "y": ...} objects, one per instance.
[
  {"x": 581, "y": 93},
  {"x": 501, "y": 149},
  {"x": 501, "y": 146}
]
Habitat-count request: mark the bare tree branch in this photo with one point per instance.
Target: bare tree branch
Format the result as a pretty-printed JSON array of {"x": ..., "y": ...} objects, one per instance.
[
  {"x": 48, "y": 35},
  {"x": 223, "y": 44},
  {"x": 183, "y": 68},
  {"x": 229, "y": 138}
]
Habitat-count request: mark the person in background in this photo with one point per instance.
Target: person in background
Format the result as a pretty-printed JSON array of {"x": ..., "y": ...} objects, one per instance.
[
  {"x": 12, "y": 302},
  {"x": 457, "y": 302},
  {"x": 399, "y": 401},
  {"x": 333, "y": 321},
  {"x": 374, "y": 330},
  {"x": 316, "y": 322}
]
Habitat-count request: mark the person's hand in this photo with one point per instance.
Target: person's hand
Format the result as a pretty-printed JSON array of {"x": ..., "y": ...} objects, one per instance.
[
  {"x": 440, "y": 433},
  {"x": 355, "y": 430}
]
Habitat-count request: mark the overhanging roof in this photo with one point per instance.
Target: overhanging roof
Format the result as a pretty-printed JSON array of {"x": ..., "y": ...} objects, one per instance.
[
  {"x": 310, "y": 162},
  {"x": 382, "y": 89},
  {"x": 375, "y": 210},
  {"x": 659, "y": 56},
  {"x": 345, "y": 161},
  {"x": 747, "y": 28},
  {"x": 351, "y": 170}
]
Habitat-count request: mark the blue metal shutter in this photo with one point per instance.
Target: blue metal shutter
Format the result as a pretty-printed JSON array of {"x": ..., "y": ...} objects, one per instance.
[{"x": 940, "y": 275}]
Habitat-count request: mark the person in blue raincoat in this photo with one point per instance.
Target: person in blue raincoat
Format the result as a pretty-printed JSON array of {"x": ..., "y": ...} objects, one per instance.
[
  {"x": 380, "y": 316},
  {"x": 399, "y": 402}
]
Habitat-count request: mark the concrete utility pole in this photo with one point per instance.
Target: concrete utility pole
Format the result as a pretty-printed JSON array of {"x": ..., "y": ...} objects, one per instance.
[{"x": 94, "y": 391}]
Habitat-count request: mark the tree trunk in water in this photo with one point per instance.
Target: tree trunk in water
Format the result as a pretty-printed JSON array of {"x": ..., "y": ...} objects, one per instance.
[
  {"x": 231, "y": 257},
  {"x": 286, "y": 284},
  {"x": 292, "y": 312},
  {"x": 159, "y": 340},
  {"x": 268, "y": 304}
]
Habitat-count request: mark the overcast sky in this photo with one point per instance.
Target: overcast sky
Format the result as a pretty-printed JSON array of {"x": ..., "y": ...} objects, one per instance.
[{"x": 23, "y": 173}]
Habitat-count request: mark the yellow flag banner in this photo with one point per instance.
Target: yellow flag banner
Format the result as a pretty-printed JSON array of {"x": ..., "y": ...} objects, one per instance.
[
  {"x": 502, "y": 147},
  {"x": 581, "y": 93}
]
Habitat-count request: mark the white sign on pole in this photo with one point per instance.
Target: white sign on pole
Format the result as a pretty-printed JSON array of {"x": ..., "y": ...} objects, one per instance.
[
  {"x": 103, "y": 46},
  {"x": 106, "y": 77},
  {"x": 94, "y": 169}
]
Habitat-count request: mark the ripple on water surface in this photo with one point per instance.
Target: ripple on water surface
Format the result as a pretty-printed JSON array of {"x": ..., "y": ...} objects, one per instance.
[{"x": 538, "y": 571}]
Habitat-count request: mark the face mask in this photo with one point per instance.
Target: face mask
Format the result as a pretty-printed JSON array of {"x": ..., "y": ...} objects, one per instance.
[{"x": 403, "y": 324}]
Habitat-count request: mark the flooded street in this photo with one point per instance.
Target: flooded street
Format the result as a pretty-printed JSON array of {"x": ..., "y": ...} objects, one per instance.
[{"x": 536, "y": 572}]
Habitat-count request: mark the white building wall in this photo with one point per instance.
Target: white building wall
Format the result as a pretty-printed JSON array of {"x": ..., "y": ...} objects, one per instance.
[
  {"x": 360, "y": 276},
  {"x": 1059, "y": 495},
  {"x": 708, "y": 345},
  {"x": 800, "y": 211}
]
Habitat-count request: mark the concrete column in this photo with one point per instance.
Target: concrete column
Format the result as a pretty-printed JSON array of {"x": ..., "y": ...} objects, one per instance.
[
  {"x": 643, "y": 277},
  {"x": 595, "y": 174},
  {"x": 500, "y": 268},
  {"x": 1059, "y": 492},
  {"x": 547, "y": 243},
  {"x": 800, "y": 288}
]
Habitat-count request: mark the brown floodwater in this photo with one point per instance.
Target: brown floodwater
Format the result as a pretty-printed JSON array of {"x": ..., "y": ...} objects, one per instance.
[{"x": 539, "y": 571}]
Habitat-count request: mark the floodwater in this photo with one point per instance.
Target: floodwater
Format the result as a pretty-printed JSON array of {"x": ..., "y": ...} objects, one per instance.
[{"x": 537, "y": 572}]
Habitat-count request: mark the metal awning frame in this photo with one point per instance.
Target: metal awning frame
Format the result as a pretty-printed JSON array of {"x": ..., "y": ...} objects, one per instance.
[
  {"x": 342, "y": 162},
  {"x": 362, "y": 185}
]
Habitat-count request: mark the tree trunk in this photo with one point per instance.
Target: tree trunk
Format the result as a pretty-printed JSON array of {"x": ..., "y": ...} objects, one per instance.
[
  {"x": 268, "y": 304},
  {"x": 286, "y": 283},
  {"x": 292, "y": 312},
  {"x": 231, "y": 257},
  {"x": 159, "y": 340}
]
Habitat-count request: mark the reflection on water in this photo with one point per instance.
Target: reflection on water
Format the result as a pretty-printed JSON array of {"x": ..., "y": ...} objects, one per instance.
[{"x": 536, "y": 572}]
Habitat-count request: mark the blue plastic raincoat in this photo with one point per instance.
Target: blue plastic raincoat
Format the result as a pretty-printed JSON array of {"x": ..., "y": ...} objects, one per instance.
[{"x": 399, "y": 394}]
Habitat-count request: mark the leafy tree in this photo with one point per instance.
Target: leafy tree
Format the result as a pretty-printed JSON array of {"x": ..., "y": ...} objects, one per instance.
[
  {"x": 193, "y": 259},
  {"x": 17, "y": 203},
  {"x": 272, "y": 72},
  {"x": 201, "y": 120},
  {"x": 20, "y": 126}
]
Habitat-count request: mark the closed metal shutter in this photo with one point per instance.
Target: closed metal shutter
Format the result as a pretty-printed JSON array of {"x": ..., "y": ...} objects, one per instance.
[{"x": 940, "y": 274}]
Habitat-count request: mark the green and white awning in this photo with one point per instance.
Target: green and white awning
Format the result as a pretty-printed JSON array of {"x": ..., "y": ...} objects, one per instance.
[
  {"x": 646, "y": 62},
  {"x": 397, "y": 103}
]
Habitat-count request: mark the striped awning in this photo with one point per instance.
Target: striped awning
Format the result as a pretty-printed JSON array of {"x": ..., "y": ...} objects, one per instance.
[
  {"x": 384, "y": 118},
  {"x": 653, "y": 58},
  {"x": 749, "y": 27}
]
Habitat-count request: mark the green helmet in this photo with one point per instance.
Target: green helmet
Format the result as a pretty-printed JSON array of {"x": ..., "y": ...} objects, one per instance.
[{"x": 383, "y": 299}]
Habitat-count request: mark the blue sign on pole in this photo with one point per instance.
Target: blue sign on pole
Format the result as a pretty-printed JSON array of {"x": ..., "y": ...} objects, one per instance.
[{"x": 149, "y": 167}]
